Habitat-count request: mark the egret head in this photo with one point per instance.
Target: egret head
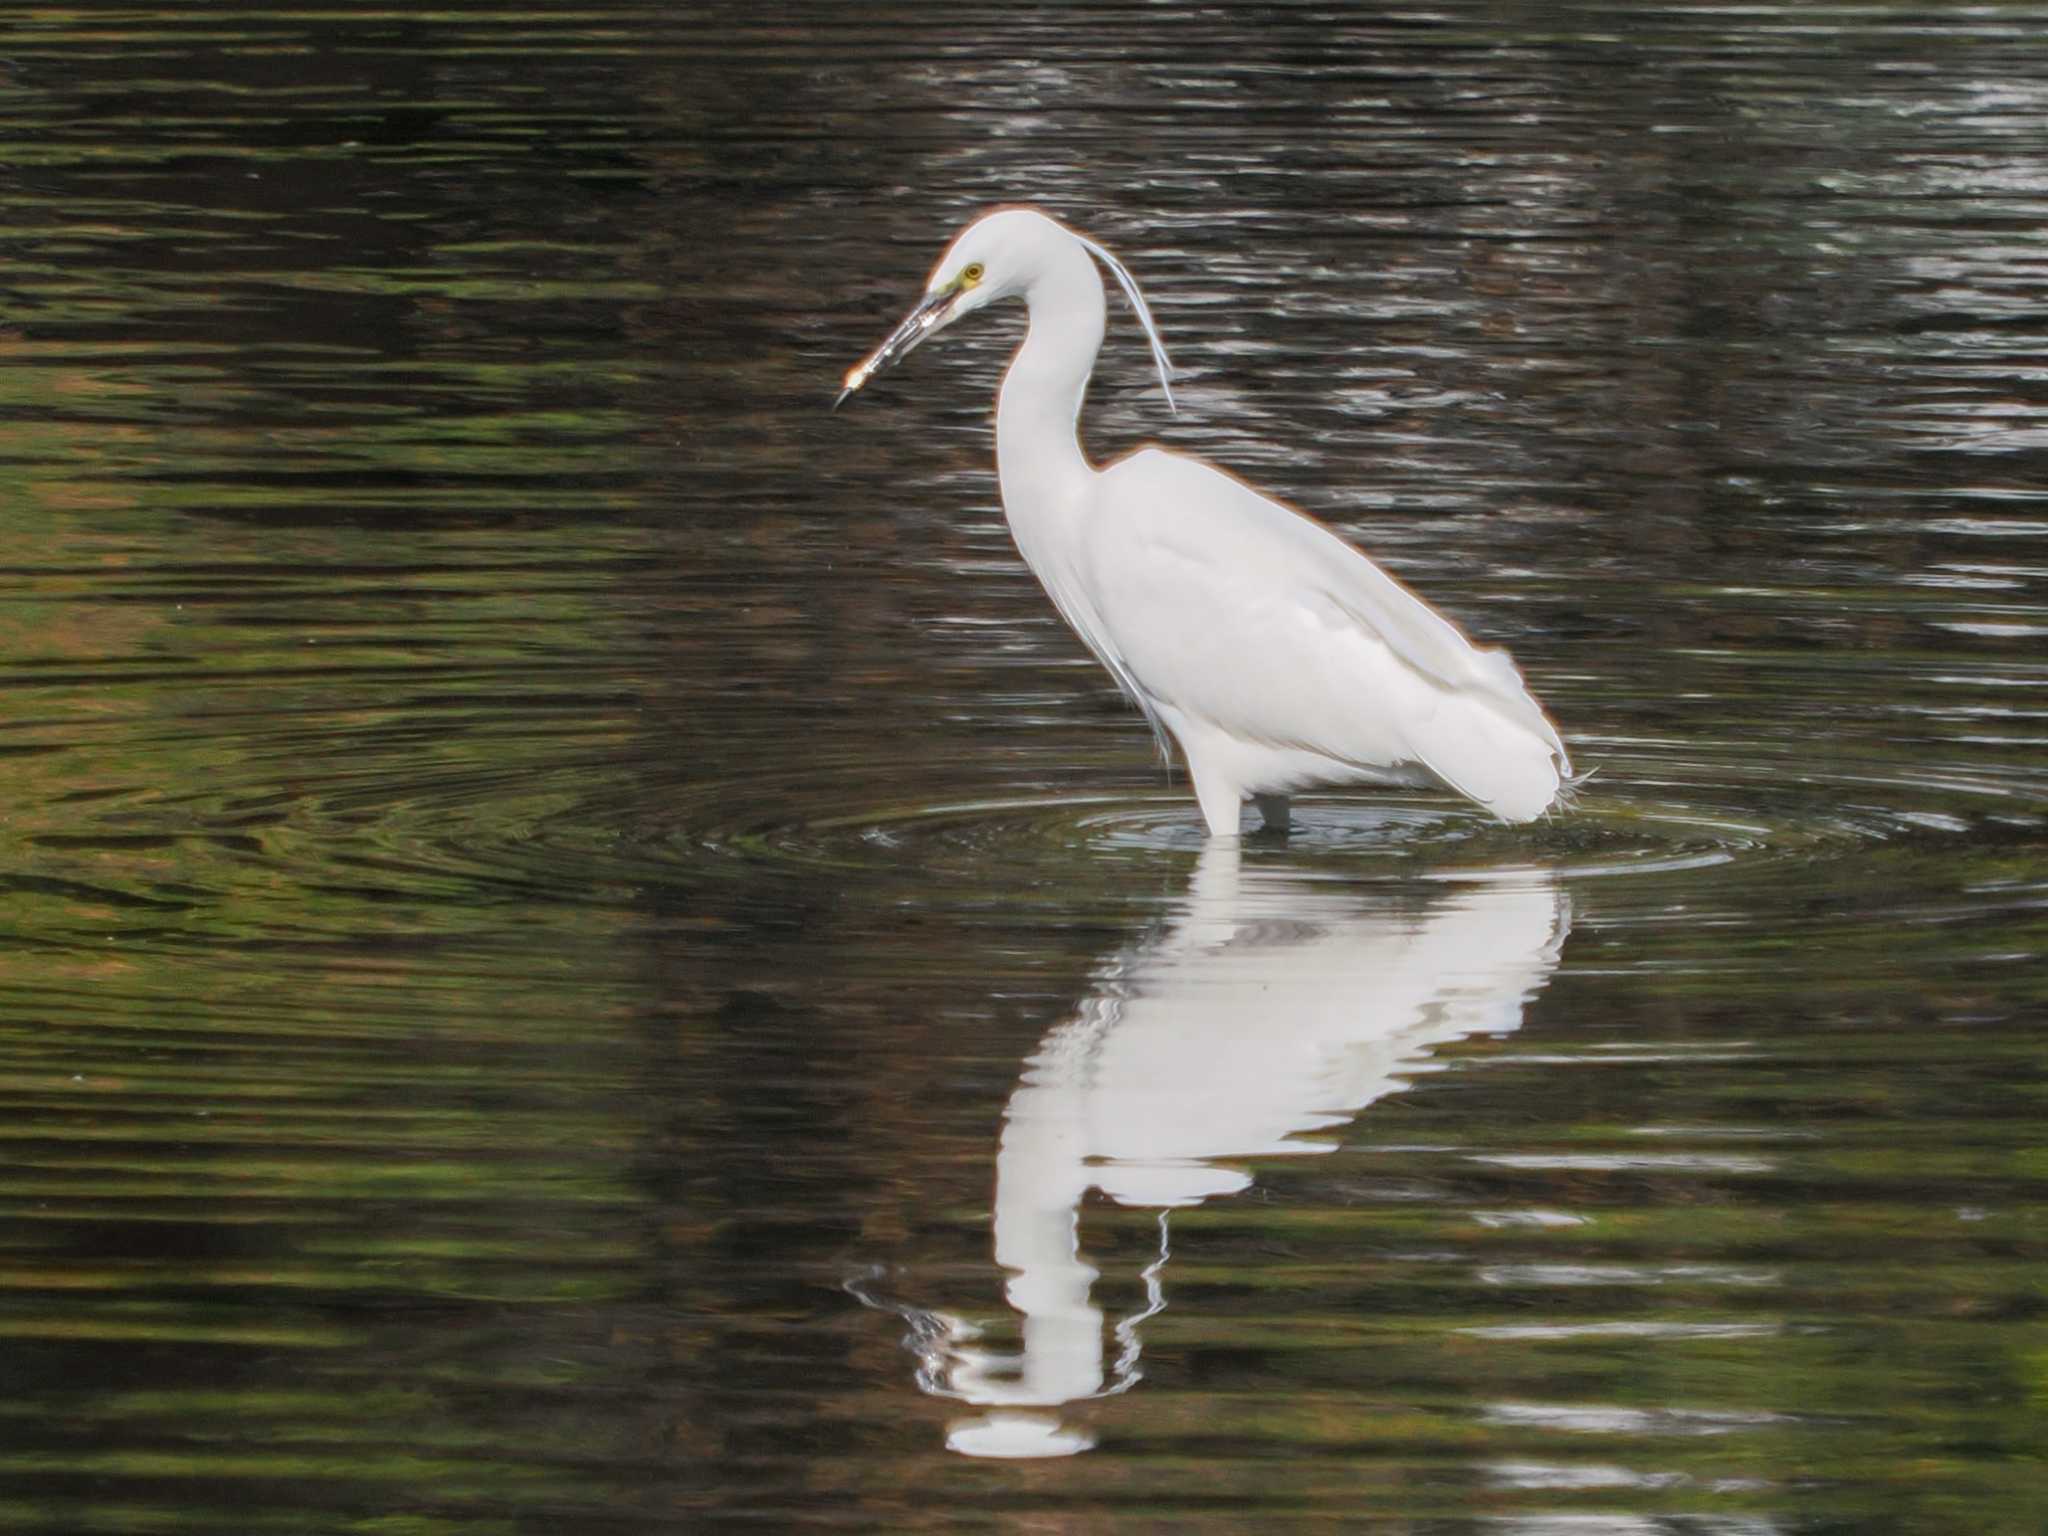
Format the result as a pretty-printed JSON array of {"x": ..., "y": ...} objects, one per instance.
[{"x": 995, "y": 257}]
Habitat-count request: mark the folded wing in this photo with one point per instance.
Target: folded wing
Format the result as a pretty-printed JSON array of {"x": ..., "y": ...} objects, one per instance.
[{"x": 1234, "y": 611}]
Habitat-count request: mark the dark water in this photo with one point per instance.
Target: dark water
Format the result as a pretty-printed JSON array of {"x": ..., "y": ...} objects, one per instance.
[{"x": 582, "y": 952}]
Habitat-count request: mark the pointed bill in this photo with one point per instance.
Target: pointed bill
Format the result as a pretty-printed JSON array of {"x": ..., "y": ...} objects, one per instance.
[{"x": 931, "y": 313}]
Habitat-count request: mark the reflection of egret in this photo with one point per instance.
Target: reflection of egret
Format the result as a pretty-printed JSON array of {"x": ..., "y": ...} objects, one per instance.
[
  {"x": 1271, "y": 1009},
  {"x": 1276, "y": 654}
]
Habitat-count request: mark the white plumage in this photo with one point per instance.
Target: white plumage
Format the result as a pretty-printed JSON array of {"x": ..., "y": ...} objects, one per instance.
[{"x": 1276, "y": 654}]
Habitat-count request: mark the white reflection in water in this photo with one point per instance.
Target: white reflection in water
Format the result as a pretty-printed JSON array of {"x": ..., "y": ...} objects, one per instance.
[{"x": 1270, "y": 1009}]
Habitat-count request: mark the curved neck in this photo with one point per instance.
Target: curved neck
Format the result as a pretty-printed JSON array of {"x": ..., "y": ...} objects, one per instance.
[{"x": 1038, "y": 442}]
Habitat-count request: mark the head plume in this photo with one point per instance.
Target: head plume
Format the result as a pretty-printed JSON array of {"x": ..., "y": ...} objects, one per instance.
[{"x": 1129, "y": 284}]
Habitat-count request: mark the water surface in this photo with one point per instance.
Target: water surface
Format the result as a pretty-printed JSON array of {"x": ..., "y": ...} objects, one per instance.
[{"x": 583, "y": 951}]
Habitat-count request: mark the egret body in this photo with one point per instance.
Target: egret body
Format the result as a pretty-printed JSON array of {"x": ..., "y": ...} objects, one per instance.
[{"x": 1276, "y": 654}]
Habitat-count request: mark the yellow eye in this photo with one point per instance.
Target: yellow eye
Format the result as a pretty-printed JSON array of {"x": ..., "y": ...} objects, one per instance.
[{"x": 971, "y": 274}]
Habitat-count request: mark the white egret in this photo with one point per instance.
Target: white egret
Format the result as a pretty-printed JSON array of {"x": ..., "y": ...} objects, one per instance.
[{"x": 1274, "y": 652}]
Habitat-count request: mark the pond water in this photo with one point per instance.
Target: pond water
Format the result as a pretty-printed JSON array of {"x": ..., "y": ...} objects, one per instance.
[{"x": 584, "y": 952}]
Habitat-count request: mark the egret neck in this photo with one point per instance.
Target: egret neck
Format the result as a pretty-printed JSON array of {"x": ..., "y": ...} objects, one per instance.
[{"x": 1045, "y": 475}]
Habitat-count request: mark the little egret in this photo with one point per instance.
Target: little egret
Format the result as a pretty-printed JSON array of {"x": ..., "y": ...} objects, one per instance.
[{"x": 1275, "y": 653}]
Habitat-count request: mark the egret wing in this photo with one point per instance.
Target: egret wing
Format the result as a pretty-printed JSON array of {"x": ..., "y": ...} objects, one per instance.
[{"x": 1241, "y": 613}]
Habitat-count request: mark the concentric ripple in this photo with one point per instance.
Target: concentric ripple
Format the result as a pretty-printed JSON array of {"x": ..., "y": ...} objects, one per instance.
[
  {"x": 425, "y": 848},
  {"x": 1619, "y": 827},
  {"x": 824, "y": 819}
]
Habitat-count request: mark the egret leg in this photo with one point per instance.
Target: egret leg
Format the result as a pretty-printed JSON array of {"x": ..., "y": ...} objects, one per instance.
[
  {"x": 1273, "y": 811},
  {"x": 1220, "y": 799}
]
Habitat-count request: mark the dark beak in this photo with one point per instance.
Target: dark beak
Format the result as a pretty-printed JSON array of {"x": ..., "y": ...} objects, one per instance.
[{"x": 930, "y": 314}]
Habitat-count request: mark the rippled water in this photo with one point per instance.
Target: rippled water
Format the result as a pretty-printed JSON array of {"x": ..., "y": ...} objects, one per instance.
[{"x": 583, "y": 951}]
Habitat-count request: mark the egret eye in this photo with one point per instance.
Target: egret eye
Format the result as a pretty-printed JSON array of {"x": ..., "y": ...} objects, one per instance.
[{"x": 971, "y": 274}]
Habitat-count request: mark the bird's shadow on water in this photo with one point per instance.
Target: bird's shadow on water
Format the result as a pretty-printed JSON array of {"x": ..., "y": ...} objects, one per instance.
[
  {"x": 1408, "y": 826},
  {"x": 1405, "y": 837},
  {"x": 1271, "y": 1007}
]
